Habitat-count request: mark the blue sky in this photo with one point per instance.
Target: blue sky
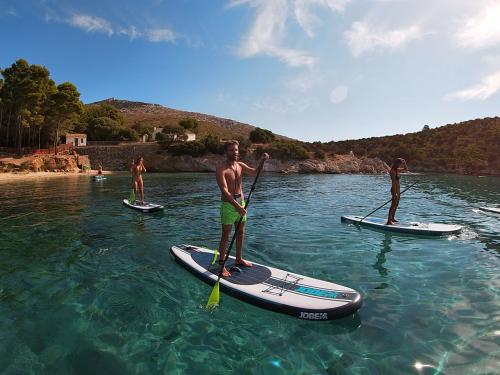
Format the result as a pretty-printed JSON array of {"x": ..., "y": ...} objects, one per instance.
[{"x": 309, "y": 69}]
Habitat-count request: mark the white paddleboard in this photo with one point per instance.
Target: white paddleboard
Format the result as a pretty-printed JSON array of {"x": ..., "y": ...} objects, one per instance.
[
  {"x": 146, "y": 207},
  {"x": 99, "y": 178},
  {"x": 490, "y": 209},
  {"x": 272, "y": 288},
  {"x": 402, "y": 227}
]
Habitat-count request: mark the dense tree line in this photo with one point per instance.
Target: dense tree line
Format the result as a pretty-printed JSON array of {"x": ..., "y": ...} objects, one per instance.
[
  {"x": 468, "y": 147},
  {"x": 35, "y": 112},
  {"x": 33, "y": 109}
]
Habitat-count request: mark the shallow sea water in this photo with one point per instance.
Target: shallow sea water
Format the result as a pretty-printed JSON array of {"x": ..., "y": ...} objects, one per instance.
[{"x": 89, "y": 286}]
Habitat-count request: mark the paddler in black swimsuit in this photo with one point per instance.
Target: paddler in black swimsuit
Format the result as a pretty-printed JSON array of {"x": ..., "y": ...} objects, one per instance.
[{"x": 399, "y": 165}]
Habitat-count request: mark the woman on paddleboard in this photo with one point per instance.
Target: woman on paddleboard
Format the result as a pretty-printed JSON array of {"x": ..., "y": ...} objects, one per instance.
[
  {"x": 136, "y": 169},
  {"x": 399, "y": 165}
]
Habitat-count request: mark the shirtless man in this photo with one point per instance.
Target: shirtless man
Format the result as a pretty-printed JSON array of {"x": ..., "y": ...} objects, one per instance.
[
  {"x": 136, "y": 169},
  {"x": 399, "y": 165},
  {"x": 229, "y": 178}
]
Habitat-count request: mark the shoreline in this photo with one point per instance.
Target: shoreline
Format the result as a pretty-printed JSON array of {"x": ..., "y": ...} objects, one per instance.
[{"x": 16, "y": 176}]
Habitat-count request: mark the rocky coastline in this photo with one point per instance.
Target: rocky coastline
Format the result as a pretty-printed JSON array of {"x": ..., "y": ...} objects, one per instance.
[
  {"x": 118, "y": 158},
  {"x": 341, "y": 164}
]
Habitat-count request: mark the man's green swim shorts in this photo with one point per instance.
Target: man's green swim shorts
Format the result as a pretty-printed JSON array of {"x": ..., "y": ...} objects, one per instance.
[{"x": 229, "y": 215}]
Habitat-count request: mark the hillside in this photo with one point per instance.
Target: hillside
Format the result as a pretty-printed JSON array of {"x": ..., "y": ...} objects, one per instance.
[
  {"x": 470, "y": 147},
  {"x": 157, "y": 115}
]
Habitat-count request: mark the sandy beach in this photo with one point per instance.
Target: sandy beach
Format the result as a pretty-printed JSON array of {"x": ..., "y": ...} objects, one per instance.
[{"x": 16, "y": 176}]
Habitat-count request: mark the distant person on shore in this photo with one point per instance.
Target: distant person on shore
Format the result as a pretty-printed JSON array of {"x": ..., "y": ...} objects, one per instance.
[
  {"x": 229, "y": 176},
  {"x": 137, "y": 168},
  {"x": 399, "y": 165}
]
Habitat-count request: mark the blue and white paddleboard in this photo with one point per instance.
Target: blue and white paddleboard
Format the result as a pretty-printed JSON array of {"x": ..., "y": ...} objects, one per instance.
[
  {"x": 271, "y": 288},
  {"x": 490, "y": 209},
  {"x": 99, "y": 177},
  {"x": 146, "y": 207},
  {"x": 432, "y": 229}
]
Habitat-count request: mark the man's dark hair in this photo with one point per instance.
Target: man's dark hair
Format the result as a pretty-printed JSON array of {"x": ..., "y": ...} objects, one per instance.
[{"x": 229, "y": 143}]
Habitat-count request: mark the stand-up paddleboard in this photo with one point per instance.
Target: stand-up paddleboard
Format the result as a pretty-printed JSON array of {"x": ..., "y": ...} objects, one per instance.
[
  {"x": 271, "y": 288},
  {"x": 490, "y": 209},
  {"x": 99, "y": 177},
  {"x": 146, "y": 207},
  {"x": 431, "y": 229}
]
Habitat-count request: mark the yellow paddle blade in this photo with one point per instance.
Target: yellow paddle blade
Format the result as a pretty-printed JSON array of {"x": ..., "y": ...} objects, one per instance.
[
  {"x": 216, "y": 253},
  {"x": 213, "y": 300}
]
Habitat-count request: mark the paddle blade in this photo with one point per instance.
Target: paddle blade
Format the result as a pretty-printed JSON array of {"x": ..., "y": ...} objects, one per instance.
[
  {"x": 131, "y": 199},
  {"x": 213, "y": 300}
]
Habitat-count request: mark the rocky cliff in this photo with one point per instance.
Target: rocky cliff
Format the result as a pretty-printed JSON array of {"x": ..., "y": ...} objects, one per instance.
[
  {"x": 118, "y": 158},
  {"x": 156, "y": 160}
]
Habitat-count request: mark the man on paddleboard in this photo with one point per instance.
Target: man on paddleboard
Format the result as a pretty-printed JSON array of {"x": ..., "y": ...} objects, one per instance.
[
  {"x": 399, "y": 165},
  {"x": 229, "y": 176}
]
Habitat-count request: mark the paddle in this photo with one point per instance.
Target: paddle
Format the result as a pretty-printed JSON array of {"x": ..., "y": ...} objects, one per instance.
[
  {"x": 213, "y": 299},
  {"x": 378, "y": 208},
  {"x": 131, "y": 198}
]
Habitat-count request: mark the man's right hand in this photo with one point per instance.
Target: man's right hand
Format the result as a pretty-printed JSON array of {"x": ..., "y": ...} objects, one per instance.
[{"x": 242, "y": 211}]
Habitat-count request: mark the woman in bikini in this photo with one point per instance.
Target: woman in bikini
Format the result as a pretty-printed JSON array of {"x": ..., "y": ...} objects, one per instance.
[
  {"x": 399, "y": 165},
  {"x": 136, "y": 169}
]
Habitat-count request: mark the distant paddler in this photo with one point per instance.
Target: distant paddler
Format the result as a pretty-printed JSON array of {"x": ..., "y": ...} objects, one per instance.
[
  {"x": 99, "y": 170},
  {"x": 137, "y": 168},
  {"x": 399, "y": 165},
  {"x": 230, "y": 179}
]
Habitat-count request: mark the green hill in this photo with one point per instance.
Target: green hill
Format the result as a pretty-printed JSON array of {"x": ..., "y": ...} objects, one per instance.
[
  {"x": 470, "y": 147},
  {"x": 159, "y": 116}
]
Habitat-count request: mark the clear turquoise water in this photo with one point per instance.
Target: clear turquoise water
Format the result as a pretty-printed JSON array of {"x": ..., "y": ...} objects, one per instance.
[{"x": 89, "y": 287}]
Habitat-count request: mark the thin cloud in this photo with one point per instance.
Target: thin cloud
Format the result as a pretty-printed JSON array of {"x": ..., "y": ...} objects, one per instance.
[
  {"x": 305, "y": 16},
  {"x": 338, "y": 94},
  {"x": 283, "y": 105},
  {"x": 268, "y": 30},
  {"x": 489, "y": 86},
  {"x": 11, "y": 12},
  {"x": 481, "y": 30},
  {"x": 100, "y": 25},
  {"x": 131, "y": 32},
  {"x": 91, "y": 24},
  {"x": 304, "y": 82},
  {"x": 363, "y": 37},
  {"x": 160, "y": 35}
]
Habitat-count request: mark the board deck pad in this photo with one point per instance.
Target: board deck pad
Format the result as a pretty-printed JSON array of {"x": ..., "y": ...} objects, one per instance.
[
  {"x": 246, "y": 276},
  {"x": 271, "y": 288},
  {"x": 404, "y": 227}
]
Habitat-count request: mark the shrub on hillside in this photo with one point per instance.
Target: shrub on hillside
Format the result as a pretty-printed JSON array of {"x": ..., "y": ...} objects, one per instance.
[
  {"x": 208, "y": 144},
  {"x": 189, "y": 124},
  {"x": 319, "y": 154},
  {"x": 171, "y": 134},
  {"x": 284, "y": 150},
  {"x": 261, "y": 136}
]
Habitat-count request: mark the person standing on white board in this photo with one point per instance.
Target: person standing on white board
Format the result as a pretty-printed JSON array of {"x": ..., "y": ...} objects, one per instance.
[
  {"x": 230, "y": 179},
  {"x": 399, "y": 165},
  {"x": 137, "y": 169}
]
